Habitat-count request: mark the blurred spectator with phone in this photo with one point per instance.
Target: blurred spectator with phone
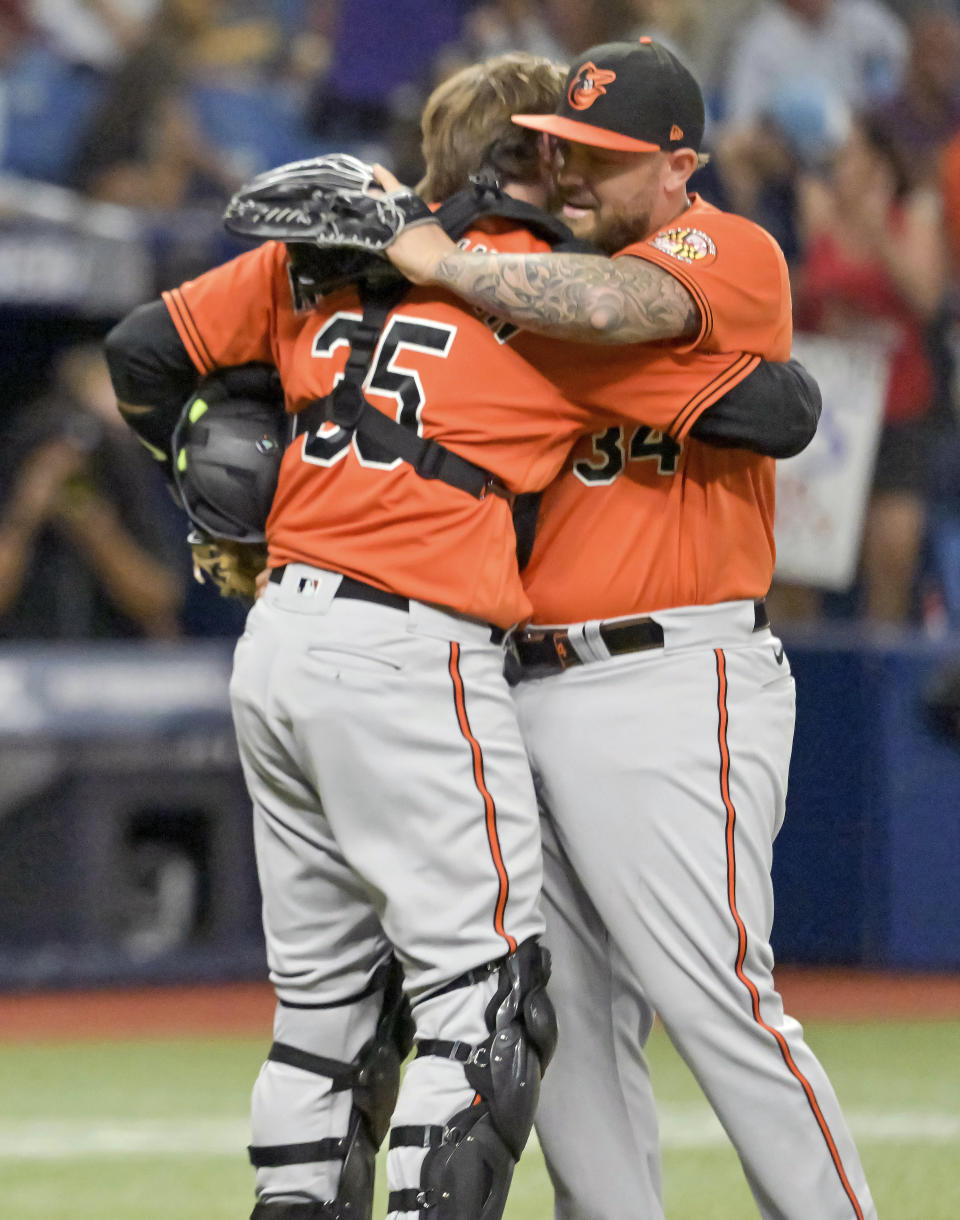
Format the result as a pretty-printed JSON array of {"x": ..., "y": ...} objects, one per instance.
[{"x": 91, "y": 545}]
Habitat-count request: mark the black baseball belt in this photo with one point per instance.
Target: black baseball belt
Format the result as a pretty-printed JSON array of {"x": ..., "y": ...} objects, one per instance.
[
  {"x": 349, "y": 587},
  {"x": 361, "y": 591},
  {"x": 541, "y": 652}
]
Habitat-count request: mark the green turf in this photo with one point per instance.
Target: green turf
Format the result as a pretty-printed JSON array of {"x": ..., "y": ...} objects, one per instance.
[{"x": 155, "y": 1130}]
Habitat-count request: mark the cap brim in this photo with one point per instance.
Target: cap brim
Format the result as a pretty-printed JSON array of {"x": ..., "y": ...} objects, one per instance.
[{"x": 583, "y": 133}]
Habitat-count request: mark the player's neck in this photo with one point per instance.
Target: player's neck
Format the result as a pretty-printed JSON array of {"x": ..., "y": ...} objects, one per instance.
[{"x": 672, "y": 210}]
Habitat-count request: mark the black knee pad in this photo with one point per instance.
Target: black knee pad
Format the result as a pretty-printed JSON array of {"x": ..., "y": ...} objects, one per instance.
[
  {"x": 377, "y": 1081},
  {"x": 374, "y": 1079},
  {"x": 466, "y": 1173},
  {"x": 523, "y": 1038},
  {"x": 469, "y": 1164}
]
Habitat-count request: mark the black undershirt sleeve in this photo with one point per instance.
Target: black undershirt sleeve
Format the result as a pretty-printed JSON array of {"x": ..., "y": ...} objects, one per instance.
[
  {"x": 149, "y": 367},
  {"x": 773, "y": 411}
]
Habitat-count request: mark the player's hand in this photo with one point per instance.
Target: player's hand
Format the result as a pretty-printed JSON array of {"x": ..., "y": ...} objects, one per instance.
[
  {"x": 44, "y": 476},
  {"x": 417, "y": 251},
  {"x": 263, "y": 579}
]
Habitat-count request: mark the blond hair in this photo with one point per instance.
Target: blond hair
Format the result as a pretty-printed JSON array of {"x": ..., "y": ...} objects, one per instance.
[{"x": 466, "y": 121}]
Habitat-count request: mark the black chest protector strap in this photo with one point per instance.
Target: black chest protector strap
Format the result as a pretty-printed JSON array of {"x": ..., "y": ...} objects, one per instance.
[
  {"x": 347, "y": 407},
  {"x": 485, "y": 197}
]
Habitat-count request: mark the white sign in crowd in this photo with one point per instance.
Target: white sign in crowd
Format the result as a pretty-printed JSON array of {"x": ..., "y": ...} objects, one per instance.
[{"x": 822, "y": 493}]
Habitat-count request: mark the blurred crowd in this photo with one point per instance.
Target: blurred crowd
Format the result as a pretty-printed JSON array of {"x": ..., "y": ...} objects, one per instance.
[{"x": 833, "y": 123}]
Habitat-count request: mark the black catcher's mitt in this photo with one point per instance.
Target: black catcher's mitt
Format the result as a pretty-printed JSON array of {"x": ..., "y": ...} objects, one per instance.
[
  {"x": 331, "y": 172},
  {"x": 323, "y": 201},
  {"x": 277, "y": 203},
  {"x": 358, "y": 221}
]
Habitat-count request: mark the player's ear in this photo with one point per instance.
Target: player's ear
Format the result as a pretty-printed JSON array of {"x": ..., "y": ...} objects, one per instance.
[
  {"x": 552, "y": 152},
  {"x": 680, "y": 166}
]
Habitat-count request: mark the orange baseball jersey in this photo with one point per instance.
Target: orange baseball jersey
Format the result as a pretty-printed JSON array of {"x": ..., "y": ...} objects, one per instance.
[
  {"x": 644, "y": 519},
  {"x": 441, "y": 369}
]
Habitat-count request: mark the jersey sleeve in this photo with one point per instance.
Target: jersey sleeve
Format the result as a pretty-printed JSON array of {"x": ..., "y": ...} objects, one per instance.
[
  {"x": 229, "y": 315},
  {"x": 643, "y": 384},
  {"x": 736, "y": 274}
]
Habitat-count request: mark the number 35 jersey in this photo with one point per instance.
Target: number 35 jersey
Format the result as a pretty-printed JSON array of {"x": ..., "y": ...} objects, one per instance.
[
  {"x": 450, "y": 375},
  {"x": 641, "y": 519},
  {"x": 439, "y": 370}
]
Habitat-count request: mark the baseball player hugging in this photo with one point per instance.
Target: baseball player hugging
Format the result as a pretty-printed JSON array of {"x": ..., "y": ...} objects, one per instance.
[{"x": 396, "y": 823}]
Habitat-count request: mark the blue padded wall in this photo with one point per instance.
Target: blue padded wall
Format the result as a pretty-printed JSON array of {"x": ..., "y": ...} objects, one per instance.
[{"x": 867, "y": 866}]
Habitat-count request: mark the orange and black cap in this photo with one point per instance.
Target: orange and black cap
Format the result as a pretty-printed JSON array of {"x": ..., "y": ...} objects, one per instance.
[{"x": 633, "y": 96}]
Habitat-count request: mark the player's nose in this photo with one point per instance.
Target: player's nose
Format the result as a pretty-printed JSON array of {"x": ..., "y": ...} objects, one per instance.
[
  {"x": 569, "y": 184},
  {"x": 569, "y": 173}
]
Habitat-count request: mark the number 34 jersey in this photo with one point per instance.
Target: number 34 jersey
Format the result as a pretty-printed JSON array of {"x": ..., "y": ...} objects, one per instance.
[
  {"x": 643, "y": 519},
  {"x": 450, "y": 375}
]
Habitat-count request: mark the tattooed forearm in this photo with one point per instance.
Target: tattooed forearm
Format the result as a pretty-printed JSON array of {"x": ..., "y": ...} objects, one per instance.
[{"x": 582, "y": 297}]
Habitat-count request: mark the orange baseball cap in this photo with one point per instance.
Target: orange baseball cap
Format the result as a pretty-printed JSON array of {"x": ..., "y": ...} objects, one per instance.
[{"x": 633, "y": 96}]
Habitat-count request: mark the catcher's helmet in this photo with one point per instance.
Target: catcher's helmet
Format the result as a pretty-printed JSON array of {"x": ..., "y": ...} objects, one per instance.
[{"x": 226, "y": 461}]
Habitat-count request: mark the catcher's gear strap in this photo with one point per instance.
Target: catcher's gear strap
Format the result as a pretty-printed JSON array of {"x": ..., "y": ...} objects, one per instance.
[
  {"x": 296, "y": 1211},
  {"x": 348, "y": 407},
  {"x": 420, "y": 1136},
  {"x": 467, "y": 979},
  {"x": 341, "y": 1075},
  {"x": 485, "y": 198},
  {"x": 271, "y": 1155},
  {"x": 526, "y": 510},
  {"x": 462, "y": 1052}
]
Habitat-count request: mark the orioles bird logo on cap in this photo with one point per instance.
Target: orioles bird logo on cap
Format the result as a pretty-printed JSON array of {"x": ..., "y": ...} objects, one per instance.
[{"x": 588, "y": 85}]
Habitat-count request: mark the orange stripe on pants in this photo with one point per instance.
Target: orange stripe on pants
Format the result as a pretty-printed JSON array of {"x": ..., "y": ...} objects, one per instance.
[
  {"x": 742, "y": 933},
  {"x": 489, "y": 806}
]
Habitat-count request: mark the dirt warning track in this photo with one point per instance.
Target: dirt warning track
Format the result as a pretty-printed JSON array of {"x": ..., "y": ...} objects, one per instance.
[{"x": 246, "y": 1009}]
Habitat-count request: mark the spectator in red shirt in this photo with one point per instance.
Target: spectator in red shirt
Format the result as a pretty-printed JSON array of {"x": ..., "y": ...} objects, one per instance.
[{"x": 874, "y": 266}]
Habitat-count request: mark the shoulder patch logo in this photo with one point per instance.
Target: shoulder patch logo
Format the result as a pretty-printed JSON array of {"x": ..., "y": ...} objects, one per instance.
[
  {"x": 687, "y": 245},
  {"x": 589, "y": 84}
]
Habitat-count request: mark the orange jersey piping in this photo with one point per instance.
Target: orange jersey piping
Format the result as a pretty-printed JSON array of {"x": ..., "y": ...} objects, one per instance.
[
  {"x": 674, "y": 268},
  {"x": 188, "y": 330},
  {"x": 687, "y": 415},
  {"x": 696, "y": 291}
]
